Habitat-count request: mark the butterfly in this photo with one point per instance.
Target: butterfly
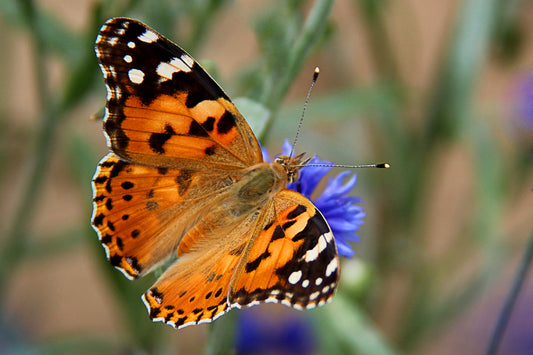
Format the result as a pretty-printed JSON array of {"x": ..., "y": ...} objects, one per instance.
[{"x": 186, "y": 178}]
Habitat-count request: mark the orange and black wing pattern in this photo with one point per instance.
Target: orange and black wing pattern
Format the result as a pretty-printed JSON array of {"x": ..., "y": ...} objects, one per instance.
[
  {"x": 292, "y": 259},
  {"x": 163, "y": 109},
  {"x": 141, "y": 212}
]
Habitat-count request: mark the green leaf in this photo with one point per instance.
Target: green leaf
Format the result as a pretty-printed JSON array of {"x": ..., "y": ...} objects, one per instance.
[
  {"x": 254, "y": 112},
  {"x": 343, "y": 322}
]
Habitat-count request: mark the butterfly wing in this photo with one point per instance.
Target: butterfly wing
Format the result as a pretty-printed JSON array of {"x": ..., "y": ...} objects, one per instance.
[
  {"x": 285, "y": 253},
  {"x": 177, "y": 139},
  {"x": 163, "y": 109},
  {"x": 141, "y": 212},
  {"x": 291, "y": 260},
  {"x": 195, "y": 288}
]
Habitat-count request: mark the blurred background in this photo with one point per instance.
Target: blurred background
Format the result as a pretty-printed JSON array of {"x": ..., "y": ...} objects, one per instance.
[{"x": 442, "y": 90}]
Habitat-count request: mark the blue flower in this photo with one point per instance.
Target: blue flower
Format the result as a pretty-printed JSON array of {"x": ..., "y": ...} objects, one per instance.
[
  {"x": 339, "y": 209},
  {"x": 262, "y": 332}
]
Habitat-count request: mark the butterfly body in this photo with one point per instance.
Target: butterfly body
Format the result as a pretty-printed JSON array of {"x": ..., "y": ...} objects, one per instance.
[{"x": 186, "y": 178}]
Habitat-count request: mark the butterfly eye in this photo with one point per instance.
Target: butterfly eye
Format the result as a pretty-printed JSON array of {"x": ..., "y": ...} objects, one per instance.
[{"x": 293, "y": 173}]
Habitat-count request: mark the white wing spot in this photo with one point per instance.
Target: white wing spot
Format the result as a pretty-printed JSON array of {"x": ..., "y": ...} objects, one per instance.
[
  {"x": 318, "y": 281},
  {"x": 131, "y": 44},
  {"x": 112, "y": 71},
  {"x": 166, "y": 70},
  {"x": 136, "y": 76},
  {"x": 332, "y": 267},
  {"x": 314, "y": 295},
  {"x": 219, "y": 315},
  {"x": 148, "y": 37},
  {"x": 188, "y": 60},
  {"x": 112, "y": 41},
  {"x": 286, "y": 303},
  {"x": 109, "y": 92},
  {"x": 295, "y": 277},
  {"x": 325, "y": 289},
  {"x": 312, "y": 254},
  {"x": 311, "y": 306},
  {"x": 297, "y": 306},
  {"x": 305, "y": 283},
  {"x": 128, "y": 58}
]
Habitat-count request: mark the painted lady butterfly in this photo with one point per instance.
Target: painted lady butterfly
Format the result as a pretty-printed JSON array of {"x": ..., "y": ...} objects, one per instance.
[{"x": 186, "y": 176}]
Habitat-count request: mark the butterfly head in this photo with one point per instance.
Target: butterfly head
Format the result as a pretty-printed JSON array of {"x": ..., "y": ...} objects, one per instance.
[{"x": 292, "y": 165}]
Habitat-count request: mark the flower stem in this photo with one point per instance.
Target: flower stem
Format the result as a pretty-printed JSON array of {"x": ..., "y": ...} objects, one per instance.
[{"x": 505, "y": 314}]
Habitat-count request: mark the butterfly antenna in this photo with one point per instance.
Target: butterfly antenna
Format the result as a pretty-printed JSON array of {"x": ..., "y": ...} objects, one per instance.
[
  {"x": 315, "y": 77},
  {"x": 380, "y": 165}
]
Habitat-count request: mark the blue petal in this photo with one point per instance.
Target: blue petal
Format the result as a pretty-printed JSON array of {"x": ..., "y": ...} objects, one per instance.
[
  {"x": 265, "y": 155},
  {"x": 343, "y": 248}
]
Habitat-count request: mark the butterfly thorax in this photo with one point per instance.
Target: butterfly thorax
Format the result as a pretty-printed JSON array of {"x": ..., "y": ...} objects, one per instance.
[{"x": 261, "y": 182}]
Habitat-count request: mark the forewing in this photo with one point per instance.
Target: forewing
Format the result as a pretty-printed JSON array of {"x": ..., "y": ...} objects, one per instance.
[
  {"x": 163, "y": 109},
  {"x": 291, "y": 260}
]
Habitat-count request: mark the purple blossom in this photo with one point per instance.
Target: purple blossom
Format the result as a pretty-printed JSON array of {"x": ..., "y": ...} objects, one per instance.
[{"x": 525, "y": 101}]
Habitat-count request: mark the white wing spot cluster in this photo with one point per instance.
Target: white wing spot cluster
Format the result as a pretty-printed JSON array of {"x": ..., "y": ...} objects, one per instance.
[
  {"x": 148, "y": 37},
  {"x": 136, "y": 76}
]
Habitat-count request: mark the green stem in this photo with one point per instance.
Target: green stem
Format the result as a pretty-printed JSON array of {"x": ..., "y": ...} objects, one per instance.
[
  {"x": 379, "y": 41},
  {"x": 505, "y": 315},
  {"x": 221, "y": 338},
  {"x": 313, "y": 28}
]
